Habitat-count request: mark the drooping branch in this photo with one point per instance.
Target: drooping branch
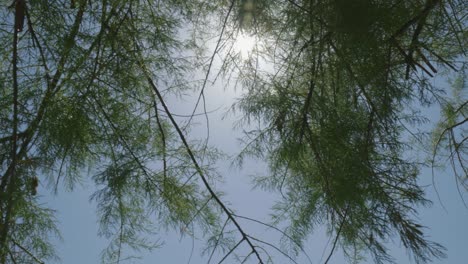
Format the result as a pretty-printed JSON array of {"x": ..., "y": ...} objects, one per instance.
[
  {"x": 202, "y": 175},
  {"x": 338, "y": 233}
]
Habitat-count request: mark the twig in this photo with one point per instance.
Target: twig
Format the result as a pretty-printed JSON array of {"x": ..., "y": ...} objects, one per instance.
[
  {"x": 337, "y": 237},
  {"x": 230, "y": 251},
  {"x": 212, "y": 60},
  {"x": 163, "y": 139},
  {"x": 27, "y": 252},
  {"x": 277, "y": 229},
  {"x": 275, "y": 247},
  {"x": 217, "y": 240}
]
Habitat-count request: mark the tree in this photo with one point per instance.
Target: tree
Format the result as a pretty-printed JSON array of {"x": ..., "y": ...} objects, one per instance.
[
  {"x": 78, "y": 93},
  {"x": 84, "y": 86},
  {"x": 332, "y": 113}
]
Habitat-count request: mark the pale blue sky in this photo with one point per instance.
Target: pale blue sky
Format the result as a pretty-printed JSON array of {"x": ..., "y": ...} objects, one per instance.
[{"x": 78, "y": 221}]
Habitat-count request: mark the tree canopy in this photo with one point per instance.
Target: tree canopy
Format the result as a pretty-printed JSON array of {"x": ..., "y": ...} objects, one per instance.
[{"x": 330, "y": 89}]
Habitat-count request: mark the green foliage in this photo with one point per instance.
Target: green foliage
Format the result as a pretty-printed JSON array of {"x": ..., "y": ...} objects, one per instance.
[
  {"x": 331, "y": 111},
  {"x": 83, "y": 104},
  {"x": 449, "y": 135},
  {"x": 329, "y": 84}
]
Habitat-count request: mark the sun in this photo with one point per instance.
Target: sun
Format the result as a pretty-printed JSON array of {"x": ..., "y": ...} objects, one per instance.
[{"x": 244, "y": 45}]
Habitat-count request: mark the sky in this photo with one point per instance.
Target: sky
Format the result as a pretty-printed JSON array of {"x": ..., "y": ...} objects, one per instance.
[{"x": 445, "y": 220}]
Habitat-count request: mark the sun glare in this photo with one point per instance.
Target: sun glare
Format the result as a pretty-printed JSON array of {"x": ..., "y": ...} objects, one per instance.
[{"x": 244, "y": 45}]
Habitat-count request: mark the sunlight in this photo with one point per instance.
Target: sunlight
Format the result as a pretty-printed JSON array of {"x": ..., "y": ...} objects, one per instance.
[{"x": 244, "y": 45}]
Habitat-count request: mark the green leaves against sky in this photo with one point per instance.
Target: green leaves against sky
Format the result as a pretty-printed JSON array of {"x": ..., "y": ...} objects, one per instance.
[{"x": 329, "y": 91}]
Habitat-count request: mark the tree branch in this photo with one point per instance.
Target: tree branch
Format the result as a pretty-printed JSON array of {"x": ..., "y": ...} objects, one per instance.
[{"x": 197, "y": 166}]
